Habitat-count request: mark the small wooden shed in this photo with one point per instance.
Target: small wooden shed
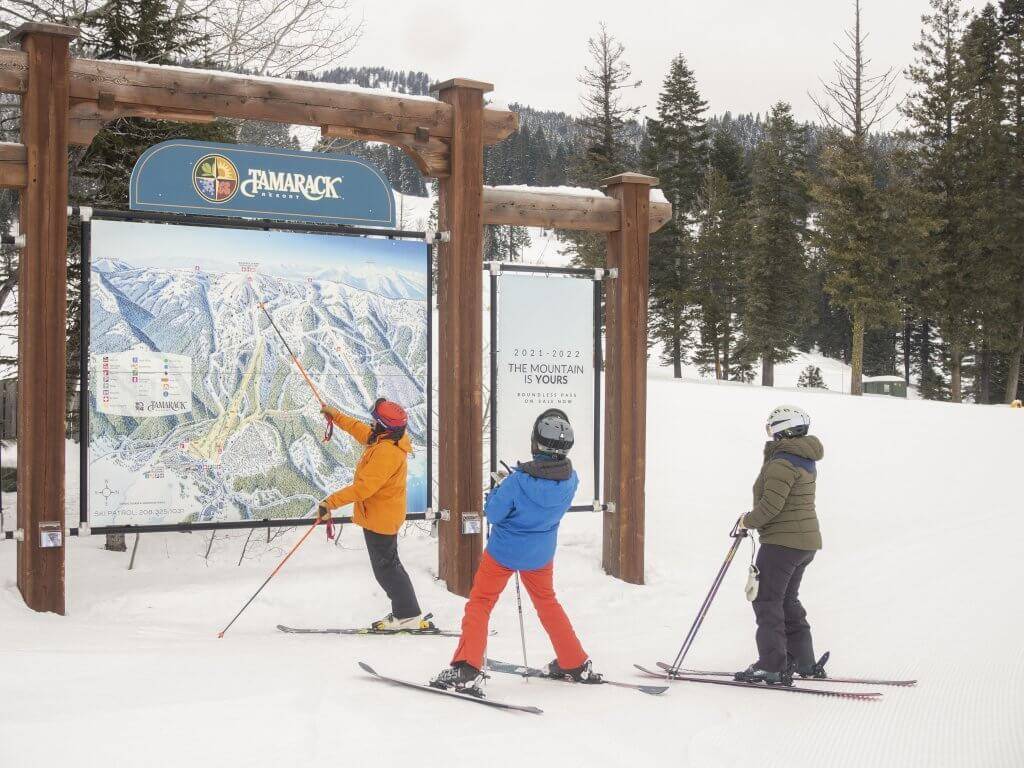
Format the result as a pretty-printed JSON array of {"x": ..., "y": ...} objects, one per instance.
[{"x": 894, "y": 386}]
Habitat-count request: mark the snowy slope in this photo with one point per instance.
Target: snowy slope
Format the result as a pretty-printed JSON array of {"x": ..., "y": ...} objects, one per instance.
[{"x": 919, "y": 577}]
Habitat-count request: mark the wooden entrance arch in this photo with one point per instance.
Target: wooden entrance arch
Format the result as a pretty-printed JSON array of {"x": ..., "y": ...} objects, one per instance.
[{"x": 65, "y": 101}]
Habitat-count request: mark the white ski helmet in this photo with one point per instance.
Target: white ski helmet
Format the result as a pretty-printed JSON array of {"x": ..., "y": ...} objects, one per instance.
[{"x": 787, "y": 421}]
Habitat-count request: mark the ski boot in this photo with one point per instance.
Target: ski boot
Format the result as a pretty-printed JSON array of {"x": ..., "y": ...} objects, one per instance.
[
  {"x": 753, "y": 674},
  {"x": 419, "y": 623},
  {"x": 816, "y": 670},
  {"x": 461, "y": 677},
  {"x": 582, "y": 674}
]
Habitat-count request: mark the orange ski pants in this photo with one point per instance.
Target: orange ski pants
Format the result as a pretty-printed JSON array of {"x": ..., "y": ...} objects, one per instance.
[{"x": 488, "y": 583}]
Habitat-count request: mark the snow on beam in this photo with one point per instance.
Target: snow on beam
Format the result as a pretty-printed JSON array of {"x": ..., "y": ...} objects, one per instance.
[
  {"x": 563, "y": 208},
  {"x": 120, "y": 87}
]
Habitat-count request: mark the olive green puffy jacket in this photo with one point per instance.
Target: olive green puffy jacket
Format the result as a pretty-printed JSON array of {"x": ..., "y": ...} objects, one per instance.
[{"x": 783, "y": 510}]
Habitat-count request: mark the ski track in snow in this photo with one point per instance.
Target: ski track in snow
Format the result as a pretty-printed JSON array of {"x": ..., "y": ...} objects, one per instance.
[{"x": 919, "y": 505}]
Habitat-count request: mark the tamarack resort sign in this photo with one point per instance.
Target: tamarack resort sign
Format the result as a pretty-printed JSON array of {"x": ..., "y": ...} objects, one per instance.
[{"x": 235, "y": 180}]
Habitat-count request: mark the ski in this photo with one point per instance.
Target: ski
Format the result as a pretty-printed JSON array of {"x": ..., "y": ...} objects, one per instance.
[
  {"x": 368, "y": 631},
  {"x": 518, "y": 669},
  {"x": 850, "y": 680},
  {"x": 859, "y": 695},
  {"x": 461, "y": 696}
]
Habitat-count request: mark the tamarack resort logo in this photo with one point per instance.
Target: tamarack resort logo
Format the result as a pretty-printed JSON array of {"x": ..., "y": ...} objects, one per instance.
[
  {"x": 175, "y": 406},
  {"x": 216, "y": 179}
]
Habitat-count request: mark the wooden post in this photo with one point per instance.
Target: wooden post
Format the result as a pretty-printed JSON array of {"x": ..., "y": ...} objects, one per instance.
[
  {"x": 460, "y": 357},
  {"x": 625, "y": 409},
  {"x": 42, "y": 311}
]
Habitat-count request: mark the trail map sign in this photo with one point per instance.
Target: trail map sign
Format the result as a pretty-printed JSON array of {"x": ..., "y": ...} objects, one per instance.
[
  {"x": 202, "y": 178},
  {"x": 546, "y": 359},
  {"x": 197, "y": 413}
]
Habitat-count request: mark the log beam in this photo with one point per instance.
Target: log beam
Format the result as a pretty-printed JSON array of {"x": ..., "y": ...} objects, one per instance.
[
  {"x": 89, "y": 117},
  {"x": 13, "y": 165},
  {"x": 431, "y": 155},
  {"x": 625, "y": 410},
  {"x": 42, "y": 311},
  {"x": 118, "y": 88},
  {"x": 552, "y": 209},
  {"x": 460, "y": 312}
]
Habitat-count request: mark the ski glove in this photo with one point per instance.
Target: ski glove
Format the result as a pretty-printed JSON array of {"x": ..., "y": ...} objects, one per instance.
[
  {"x": 323, "y": 514},
  {"x": 330, "y": 411}
]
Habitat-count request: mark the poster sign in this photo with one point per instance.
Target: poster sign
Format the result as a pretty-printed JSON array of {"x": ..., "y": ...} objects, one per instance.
[
  {"x": 197, "y": 413},
  {"x": 545, "y": 359},
  {"x": 207, "y": 179}
]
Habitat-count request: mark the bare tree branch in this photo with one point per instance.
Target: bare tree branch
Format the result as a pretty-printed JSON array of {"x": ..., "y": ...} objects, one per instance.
[{"x": 856, "y": 102}]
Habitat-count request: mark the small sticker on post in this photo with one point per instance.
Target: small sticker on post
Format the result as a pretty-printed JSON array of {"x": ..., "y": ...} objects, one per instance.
[
  {"x": 51, "y": 534},
  {"x": 471, "y": 522}
]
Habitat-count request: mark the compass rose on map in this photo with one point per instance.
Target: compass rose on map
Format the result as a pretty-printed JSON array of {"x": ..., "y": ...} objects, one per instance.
[{"x": 106, "y": 492}]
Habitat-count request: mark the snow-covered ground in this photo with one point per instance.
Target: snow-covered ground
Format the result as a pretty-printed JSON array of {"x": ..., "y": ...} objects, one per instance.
[{"x": 919, "y": 577}]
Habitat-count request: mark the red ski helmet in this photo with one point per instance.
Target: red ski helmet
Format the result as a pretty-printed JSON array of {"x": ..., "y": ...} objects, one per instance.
[{"x": 389, "y": 415}]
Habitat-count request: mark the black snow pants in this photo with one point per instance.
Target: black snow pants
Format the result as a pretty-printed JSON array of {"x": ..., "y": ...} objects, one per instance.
[
  {"x": 783, "y": 634},
  {"x": 390, "y": 574}
]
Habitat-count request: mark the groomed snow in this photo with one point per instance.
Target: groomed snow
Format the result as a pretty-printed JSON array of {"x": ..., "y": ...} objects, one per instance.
[{"x": 920, "y": 510}]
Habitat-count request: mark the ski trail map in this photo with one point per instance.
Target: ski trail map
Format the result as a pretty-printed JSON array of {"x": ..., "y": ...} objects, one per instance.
[{"x": 197, "y": 412}]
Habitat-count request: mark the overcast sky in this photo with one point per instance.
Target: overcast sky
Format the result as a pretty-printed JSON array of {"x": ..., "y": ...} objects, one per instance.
[{"x": 747, "y": 54}]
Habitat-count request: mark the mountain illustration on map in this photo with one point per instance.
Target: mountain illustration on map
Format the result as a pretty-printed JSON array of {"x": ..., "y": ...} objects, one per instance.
[{"x": 251, "y": 445}]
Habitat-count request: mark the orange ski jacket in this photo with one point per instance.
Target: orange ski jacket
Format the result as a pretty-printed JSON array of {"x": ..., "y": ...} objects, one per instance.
[{"x": 378, "y": 489}]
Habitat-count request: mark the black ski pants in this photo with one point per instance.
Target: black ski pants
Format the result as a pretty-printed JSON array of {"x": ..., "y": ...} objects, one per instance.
[
  {"x": 783, "y": 634},
  {"x": 390, "y": 574}
]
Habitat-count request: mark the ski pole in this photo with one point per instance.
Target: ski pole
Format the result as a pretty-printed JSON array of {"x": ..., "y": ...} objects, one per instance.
[
  {"x": 295, "y": 359},
  {"x": 522, "y": 630},
  {"x": 737, "y": 534},
  {"x": 272, "y": 575}
]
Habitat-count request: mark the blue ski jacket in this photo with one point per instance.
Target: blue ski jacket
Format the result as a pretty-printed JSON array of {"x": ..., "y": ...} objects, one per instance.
[{"x": 525, "y": 512}]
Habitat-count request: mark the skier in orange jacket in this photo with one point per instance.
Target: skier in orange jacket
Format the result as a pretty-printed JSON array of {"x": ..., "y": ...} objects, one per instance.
[{"x": 378, "y": 495}]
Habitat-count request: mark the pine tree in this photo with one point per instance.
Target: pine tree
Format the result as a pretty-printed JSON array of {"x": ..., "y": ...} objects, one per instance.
[
  {"x": 680, "y": 138},
  {"x": 775, "y": 270},
  {"x": 935, "y": 107},
  {"x": 811, "y": 378},
  {"x": 604, "y": 118},
  {"x": 856, "y": 236},
  {"x": 1011, "y": 21},
  {"x": 852, "y": 208},
  {"x": 717, "y": 271},
  {"x": 604, "y": 146},
  {"x": 676, "y": 153},
  {"x": 985, "y": 149}
]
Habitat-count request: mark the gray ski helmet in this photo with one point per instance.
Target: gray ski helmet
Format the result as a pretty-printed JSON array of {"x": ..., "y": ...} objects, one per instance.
[{"x": 552, "y": 433}]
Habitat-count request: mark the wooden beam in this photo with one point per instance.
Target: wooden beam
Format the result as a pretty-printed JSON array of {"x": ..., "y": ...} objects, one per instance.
[
  {"x": 552, "y": 209},
  {"x": 42, "y": 312},
  {"x": 460, "y": 364},
  {"x": 89, "y": 117},
  {"x": 625, "y": 410},
  {"x": 131, "y": 85},
  {"x": 13, "y": 165},
  {"x": 431, "y": 155},
  {"x": 13, "y": 71}
]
